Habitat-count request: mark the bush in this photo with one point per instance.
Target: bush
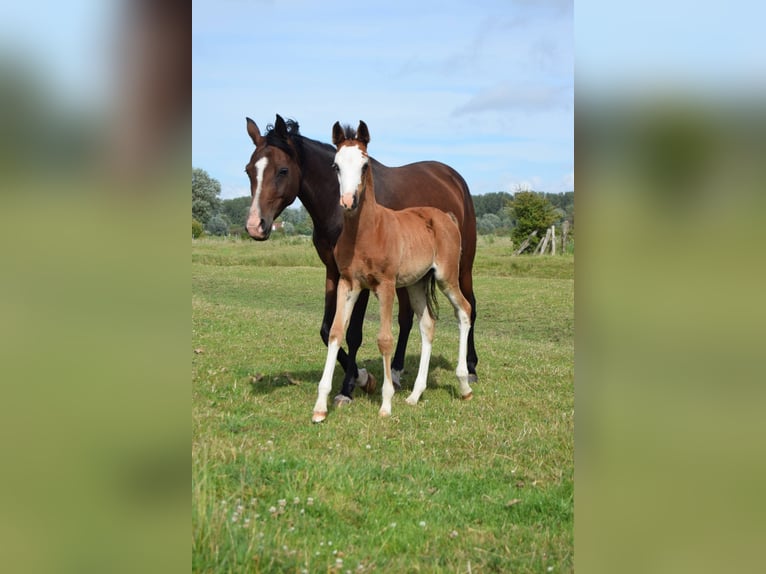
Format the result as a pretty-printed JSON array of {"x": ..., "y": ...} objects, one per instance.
[
  {"x": 218, "y": 225},
  {"x": 532, "y": 212},
  {"x": 197, "y": 229}
]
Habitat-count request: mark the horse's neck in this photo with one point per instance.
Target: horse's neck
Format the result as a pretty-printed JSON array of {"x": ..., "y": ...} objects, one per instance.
[{"x": 318, "y": 192}]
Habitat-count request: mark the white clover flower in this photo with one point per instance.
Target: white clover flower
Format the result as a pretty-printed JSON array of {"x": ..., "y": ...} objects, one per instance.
[{"x": 422, "y": 523}]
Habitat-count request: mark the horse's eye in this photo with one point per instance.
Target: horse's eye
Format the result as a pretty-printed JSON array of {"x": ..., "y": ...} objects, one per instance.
[
  {"x": 364, "y": 167},
  {"x": 282, "y": 171}
]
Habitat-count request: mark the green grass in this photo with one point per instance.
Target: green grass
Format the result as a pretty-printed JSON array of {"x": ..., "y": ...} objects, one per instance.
[{"x": 445, "y": 486}]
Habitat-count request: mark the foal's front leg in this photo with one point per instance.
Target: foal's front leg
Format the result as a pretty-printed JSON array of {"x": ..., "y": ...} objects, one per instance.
[
  {"x": 385, "y": 293},
  {"x": 347, "y": 296}
]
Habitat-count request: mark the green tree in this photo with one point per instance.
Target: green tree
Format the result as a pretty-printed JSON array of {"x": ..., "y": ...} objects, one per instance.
[
  {"x": 490, "y": 203},
  {"x": 205, "y": 192},
  {"x": 530, "y": 211},
  {"x": 488, "y": 223},
  {"x": 299, "y": 220},
  {"x": 237, "y": 209}
]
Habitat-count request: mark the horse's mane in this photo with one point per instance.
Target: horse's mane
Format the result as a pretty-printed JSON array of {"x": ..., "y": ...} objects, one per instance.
[
  {"x": 277, "y": 140},
  {"x": 295, "y": 142},
  {"x": 349, "y": 131}
]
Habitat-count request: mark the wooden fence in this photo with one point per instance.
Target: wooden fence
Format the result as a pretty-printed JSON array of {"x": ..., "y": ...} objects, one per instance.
[{"x": 548, "y": 243}]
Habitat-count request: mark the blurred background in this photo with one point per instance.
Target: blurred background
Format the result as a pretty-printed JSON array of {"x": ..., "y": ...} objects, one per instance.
[
  {"x": 94, "y": 160},
  {"x": 670, "y": 142},
  {"x": 94, "y": 324}
]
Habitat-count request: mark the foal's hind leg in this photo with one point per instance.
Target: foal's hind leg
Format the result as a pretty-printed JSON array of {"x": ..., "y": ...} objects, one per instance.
[
  {"x": 418, "y": 298},
  {"x": 463, "y": 313}
]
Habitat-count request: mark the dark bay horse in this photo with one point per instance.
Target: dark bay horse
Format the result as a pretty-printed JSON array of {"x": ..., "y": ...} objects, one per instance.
[
  {"x": 382, "y": 249},
  {"x": 286, "y": 165}
]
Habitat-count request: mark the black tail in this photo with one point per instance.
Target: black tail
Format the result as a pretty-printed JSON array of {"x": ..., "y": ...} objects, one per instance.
[{"x": 431, "y": 301}]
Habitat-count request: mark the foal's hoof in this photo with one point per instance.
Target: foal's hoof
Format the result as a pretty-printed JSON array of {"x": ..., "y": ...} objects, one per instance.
[
  {"x": 467, "y": 397},
  {"x": 341, "y": 401},
  {"x": 384, "y": 414},
  {"x": 473, "y": 378},
  {"x": 318, "y": 416},
  {"x": 372, "y": 384}
]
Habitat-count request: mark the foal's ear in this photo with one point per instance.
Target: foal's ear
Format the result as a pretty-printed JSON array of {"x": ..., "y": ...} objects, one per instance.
[
  {"x": 362, "y": 133},
  {"x": 254, "y": 132},
  {"x": 338, "y": 136}
]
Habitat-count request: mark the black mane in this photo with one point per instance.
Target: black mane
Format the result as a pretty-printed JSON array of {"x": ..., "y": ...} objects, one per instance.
[
  {"x": 349, "y": 132},
  {"x": 277, "y": 140}
]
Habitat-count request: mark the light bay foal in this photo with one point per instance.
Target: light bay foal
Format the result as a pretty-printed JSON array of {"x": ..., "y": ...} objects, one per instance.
[{"x": 381, "y": 249}]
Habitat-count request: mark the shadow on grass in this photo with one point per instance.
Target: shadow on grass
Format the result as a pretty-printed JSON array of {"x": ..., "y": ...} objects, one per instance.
[{"x": 267, "y": 383}]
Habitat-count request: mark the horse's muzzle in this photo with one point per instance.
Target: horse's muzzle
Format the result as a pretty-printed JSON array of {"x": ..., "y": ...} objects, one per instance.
[
  {"x": 348, "y": 201},
  {"x": 259, "y": 231}
]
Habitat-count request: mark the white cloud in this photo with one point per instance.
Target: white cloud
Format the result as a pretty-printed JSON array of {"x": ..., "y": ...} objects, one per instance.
[{"x": 518, "y": 98}]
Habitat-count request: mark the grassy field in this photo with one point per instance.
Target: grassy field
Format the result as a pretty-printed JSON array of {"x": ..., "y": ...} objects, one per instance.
[{"x": 445, "y": 486}]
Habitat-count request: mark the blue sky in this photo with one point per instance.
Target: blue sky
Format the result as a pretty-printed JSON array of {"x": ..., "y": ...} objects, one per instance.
[{"x": 483, "y": 85}]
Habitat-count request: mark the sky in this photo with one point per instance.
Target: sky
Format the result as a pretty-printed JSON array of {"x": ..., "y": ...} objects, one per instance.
[{"x": 486, "y": 86}]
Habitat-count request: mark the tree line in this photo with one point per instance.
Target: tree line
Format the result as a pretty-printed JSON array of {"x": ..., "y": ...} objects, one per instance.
[{"x": 499, "y": 213}]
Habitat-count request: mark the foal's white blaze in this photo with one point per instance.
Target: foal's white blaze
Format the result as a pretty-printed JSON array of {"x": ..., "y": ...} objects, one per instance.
[
  {"x": 255, "y": 210},
  {"x": 349, "y": 160}
]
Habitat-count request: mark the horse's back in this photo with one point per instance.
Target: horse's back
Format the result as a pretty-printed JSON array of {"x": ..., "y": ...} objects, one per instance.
[{"x": 424, "y": 183}]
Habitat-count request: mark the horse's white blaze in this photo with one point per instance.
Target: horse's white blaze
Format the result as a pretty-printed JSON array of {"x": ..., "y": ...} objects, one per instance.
[
  {"x": 255, "y": 210},
  {"x": 350, "y": 160}
]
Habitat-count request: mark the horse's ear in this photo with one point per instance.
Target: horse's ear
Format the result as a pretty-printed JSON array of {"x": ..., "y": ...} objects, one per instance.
[
  {"x": 338, "y": 136},
  {"x": 362, "y": 133},
  {"x": 280, "y": 127},
  {"x": 254, "y": 132}
]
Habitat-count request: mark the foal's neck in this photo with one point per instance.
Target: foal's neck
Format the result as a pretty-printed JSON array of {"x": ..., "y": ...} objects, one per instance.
[{"x": 368, "y": 205}]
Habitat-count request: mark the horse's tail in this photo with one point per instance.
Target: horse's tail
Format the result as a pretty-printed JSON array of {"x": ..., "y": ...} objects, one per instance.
[{"x": 431, "y": 300}]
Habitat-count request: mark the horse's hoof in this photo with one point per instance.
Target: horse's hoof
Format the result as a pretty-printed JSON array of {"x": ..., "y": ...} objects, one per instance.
[
  {"x": 319, "y": 417},
  {"x": 383, "y": 414},
  {"x": 341, "y": 401},
  {"x": 468, "y": 397},
  {"x": 411, "y": 401},
  {"x": 473, "y": 378},
  {"x": 372, "y": 384}
]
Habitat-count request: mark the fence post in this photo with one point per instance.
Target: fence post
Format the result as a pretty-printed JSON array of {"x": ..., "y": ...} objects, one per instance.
[
  {"x": 553, "y": 240},
  {"x": 544, "y": 243},
  {"x": 525, "y": 243}
]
